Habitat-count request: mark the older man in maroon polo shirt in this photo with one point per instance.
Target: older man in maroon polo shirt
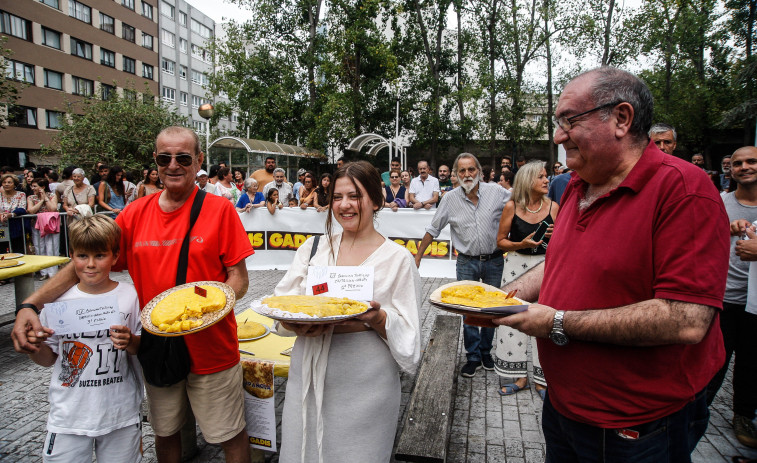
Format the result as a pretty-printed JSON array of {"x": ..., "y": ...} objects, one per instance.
[{"x": 631, "y": 288}]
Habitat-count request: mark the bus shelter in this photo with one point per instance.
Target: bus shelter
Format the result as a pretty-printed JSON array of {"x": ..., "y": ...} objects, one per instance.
[{"x": 249, "y": 155}]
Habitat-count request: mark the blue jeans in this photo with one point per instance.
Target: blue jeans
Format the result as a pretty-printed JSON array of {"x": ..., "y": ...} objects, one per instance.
[
  {"x": 478, "y": 341},
  {"x": 670, "y": 439}
]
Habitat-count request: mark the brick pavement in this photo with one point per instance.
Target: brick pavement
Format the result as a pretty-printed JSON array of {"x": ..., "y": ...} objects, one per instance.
[{"x": 485, "y": 426}]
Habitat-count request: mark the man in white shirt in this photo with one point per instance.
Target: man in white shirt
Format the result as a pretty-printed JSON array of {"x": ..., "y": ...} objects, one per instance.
[
  {"x": 424, "y": 189},
  {"x": 280, "y": 183},
  {"x": 204, "y": 184}
]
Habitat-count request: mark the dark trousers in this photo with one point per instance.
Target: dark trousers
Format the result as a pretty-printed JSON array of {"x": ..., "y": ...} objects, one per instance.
[
  {"x": 670, "y": 439},
  {"x": 478, "y": 341},
  {"x": 739, "y": 329}
]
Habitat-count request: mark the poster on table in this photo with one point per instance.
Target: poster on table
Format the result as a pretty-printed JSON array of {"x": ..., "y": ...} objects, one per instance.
[
  {"x": 259, "y": 403},
  {"x": 276, "y": 237}
]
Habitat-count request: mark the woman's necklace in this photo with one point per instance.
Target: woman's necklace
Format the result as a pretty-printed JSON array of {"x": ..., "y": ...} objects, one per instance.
[{"x": 541, "y": 204}]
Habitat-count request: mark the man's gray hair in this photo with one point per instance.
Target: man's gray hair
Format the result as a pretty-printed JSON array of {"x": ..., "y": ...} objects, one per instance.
[
  {"x": 661, "y": 127},
  {"x": 249, "y": 182},
  {"x": 467, "y": 156},
  {"x": 78, "y": 171},
  {"x": 279, "y": 169},
  {"x": 612, "y": 85}
]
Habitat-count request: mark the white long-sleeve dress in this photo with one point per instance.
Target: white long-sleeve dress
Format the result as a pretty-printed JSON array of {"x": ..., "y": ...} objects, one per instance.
[{"x": 343, "y": 393}]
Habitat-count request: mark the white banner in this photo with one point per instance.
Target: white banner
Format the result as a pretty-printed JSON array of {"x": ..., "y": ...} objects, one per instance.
[{"x": 276, "y": 237}]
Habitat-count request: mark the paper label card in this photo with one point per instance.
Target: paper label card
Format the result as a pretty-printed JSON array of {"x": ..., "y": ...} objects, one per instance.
[
  {"x": 202, "y": 292},
  {"x": 82, "y": 315},
  {"x": 349, "y": 281},
  {"x": 259, "y": 403}
]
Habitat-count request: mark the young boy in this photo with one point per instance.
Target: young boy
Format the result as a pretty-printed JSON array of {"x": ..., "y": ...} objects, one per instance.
[{"x": 95, "y": 388}]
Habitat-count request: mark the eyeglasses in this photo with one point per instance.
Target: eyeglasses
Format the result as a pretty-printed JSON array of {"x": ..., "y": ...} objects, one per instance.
[
  {"x": 394, "y": 176},
  {"x": 163, "y": 160},
  {"x": 566, "y": 123}
]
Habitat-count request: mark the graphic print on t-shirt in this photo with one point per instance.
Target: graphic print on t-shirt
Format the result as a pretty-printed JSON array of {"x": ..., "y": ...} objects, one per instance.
[{"x": 76, "y": 357}]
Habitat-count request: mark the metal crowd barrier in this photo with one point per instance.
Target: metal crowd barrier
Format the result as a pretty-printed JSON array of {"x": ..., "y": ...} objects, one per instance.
[{"x": 27, "y": 223}]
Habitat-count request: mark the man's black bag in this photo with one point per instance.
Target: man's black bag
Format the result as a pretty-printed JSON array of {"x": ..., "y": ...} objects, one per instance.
[{"x": 165, "y": 360}]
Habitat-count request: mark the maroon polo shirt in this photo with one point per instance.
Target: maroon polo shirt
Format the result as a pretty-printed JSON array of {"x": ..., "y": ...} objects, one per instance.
[{"x": 663, "y": 233}]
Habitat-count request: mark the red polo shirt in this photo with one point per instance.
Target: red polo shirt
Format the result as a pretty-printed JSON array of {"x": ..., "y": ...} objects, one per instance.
[{"x": 663, "y": 233}]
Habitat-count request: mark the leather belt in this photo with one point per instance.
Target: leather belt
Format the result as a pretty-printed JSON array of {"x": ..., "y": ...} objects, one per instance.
[{"x": 483, "y": 257}]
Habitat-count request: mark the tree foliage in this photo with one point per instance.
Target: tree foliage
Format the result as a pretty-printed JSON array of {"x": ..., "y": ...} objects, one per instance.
[
  {"x": 119, "y": 131},
  {"x": 9, "y": 89},
  {"x": 484, "y": 71}
]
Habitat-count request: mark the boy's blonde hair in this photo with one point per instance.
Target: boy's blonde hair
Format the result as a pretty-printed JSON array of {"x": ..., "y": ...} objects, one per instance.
[{"x": 97, "y": 233}]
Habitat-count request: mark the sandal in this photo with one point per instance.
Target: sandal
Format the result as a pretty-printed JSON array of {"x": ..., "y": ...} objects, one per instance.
[{"x": 511, "y": 388}]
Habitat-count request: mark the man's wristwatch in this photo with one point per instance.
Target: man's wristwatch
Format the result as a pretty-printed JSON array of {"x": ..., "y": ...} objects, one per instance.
[{"x": 557, "y": 335}]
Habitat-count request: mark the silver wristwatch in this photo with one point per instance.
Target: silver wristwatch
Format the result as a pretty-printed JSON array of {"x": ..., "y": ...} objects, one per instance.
[{"x": 557, "y": 335}]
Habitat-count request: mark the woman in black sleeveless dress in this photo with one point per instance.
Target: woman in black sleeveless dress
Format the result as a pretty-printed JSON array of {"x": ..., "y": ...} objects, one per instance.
[{"x": 521, "y": 216}]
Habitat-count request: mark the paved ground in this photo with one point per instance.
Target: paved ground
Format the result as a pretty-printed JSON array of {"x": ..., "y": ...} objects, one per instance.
[{"x": 485, "y": 426}]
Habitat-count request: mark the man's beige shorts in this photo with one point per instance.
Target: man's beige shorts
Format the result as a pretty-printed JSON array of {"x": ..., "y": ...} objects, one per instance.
[{"x": 217, "y": 403}]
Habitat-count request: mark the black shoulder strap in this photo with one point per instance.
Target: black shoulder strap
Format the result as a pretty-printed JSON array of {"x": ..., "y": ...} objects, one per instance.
[
  {"x": 181, "y": 271},
  {"x": 316, "y": 238}
]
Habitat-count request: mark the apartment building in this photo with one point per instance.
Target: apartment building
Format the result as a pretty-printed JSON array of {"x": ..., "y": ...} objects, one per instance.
[
  {"x": 65, "y": 50},
  {"x": 186, "y": 61}
]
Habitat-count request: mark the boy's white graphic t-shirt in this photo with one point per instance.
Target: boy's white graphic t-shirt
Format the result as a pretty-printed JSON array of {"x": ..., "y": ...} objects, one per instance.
[{"x": 95, "y": 388}]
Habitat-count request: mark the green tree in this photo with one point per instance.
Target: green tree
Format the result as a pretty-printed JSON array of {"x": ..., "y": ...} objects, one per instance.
[
  {"x": 9, "y": 88},
  {"x": 742, "y": 26},
  {"x": 118, "y": 131}
]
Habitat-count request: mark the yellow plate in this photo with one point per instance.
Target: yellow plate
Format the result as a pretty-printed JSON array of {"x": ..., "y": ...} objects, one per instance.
[{"x": 208, "y": 319}]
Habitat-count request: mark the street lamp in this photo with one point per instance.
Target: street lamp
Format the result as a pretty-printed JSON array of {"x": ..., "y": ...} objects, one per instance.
[{"x": 206, "y": 112}]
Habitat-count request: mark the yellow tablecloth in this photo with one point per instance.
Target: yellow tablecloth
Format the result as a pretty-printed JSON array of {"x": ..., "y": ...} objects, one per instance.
[
  {"x": 31, "y": 264},
  {"x": 267, "y": 348}
]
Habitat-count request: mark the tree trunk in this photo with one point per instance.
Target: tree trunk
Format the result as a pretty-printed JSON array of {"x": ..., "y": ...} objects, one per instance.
[
  {"x": 550, "y": 94},
  {"x": 608, "y": 29}
]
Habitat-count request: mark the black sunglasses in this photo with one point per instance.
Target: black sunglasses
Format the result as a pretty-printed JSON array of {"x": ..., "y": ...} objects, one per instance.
[{"x": 163, "y": 160}]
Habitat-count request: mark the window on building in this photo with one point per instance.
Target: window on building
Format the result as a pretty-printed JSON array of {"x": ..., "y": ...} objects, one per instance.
[
  {"x": 81, "y": 48},
  {"x": 15, "y": 26},
  {"x": 54, "y": 119},
  {"x": 107, "y": 91},
  {"x": 146, "y": 10},
  {"x": 168, "y": 66},
  {"x": 107, "y": 23},
  {"x": 147, "y": 40},
  {"x": 148, "y": 98},
  {"x": 128, "y": 33},
  {"x": 200, "y": 53},
  {"x": 17, "y": 70},
  {"x": 166, "y": 9},
  {"x": 53, "y": 79},
  {"x": 169, "y": 94},
  {"x": 183, "y": 72},
  {"x": 197, "y": 101},
  {"x": 169, "y": 38},
  {"x": 201, "y": 29},
  {"x": 195, "y": 76},
  {"x": 184, "y": 97},
  {"x": 22, "y": 116},
  {"x": 234, "y": 117},
  {"x": 128, "y": 4},
  {"x": 51, "y": 38},
  {"x": 183, "y": 18},
  {"x": 53, "y": 3},
  {"x": 80, "y": 11},
  {"x": 130, "y": 95},
  {"x": 147, "y": 71},
  {"x": 199, "y": 126},
  {"x": 130, "y": 65},
  {"x": 82, "y": 87},
  {"x": 107, "y": 58},
  {"x": 182, "y": 45}
]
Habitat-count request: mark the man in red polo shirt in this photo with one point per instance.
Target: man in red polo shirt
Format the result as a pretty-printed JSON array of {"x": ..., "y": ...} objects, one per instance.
[{"x": 631, "y": 288}]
